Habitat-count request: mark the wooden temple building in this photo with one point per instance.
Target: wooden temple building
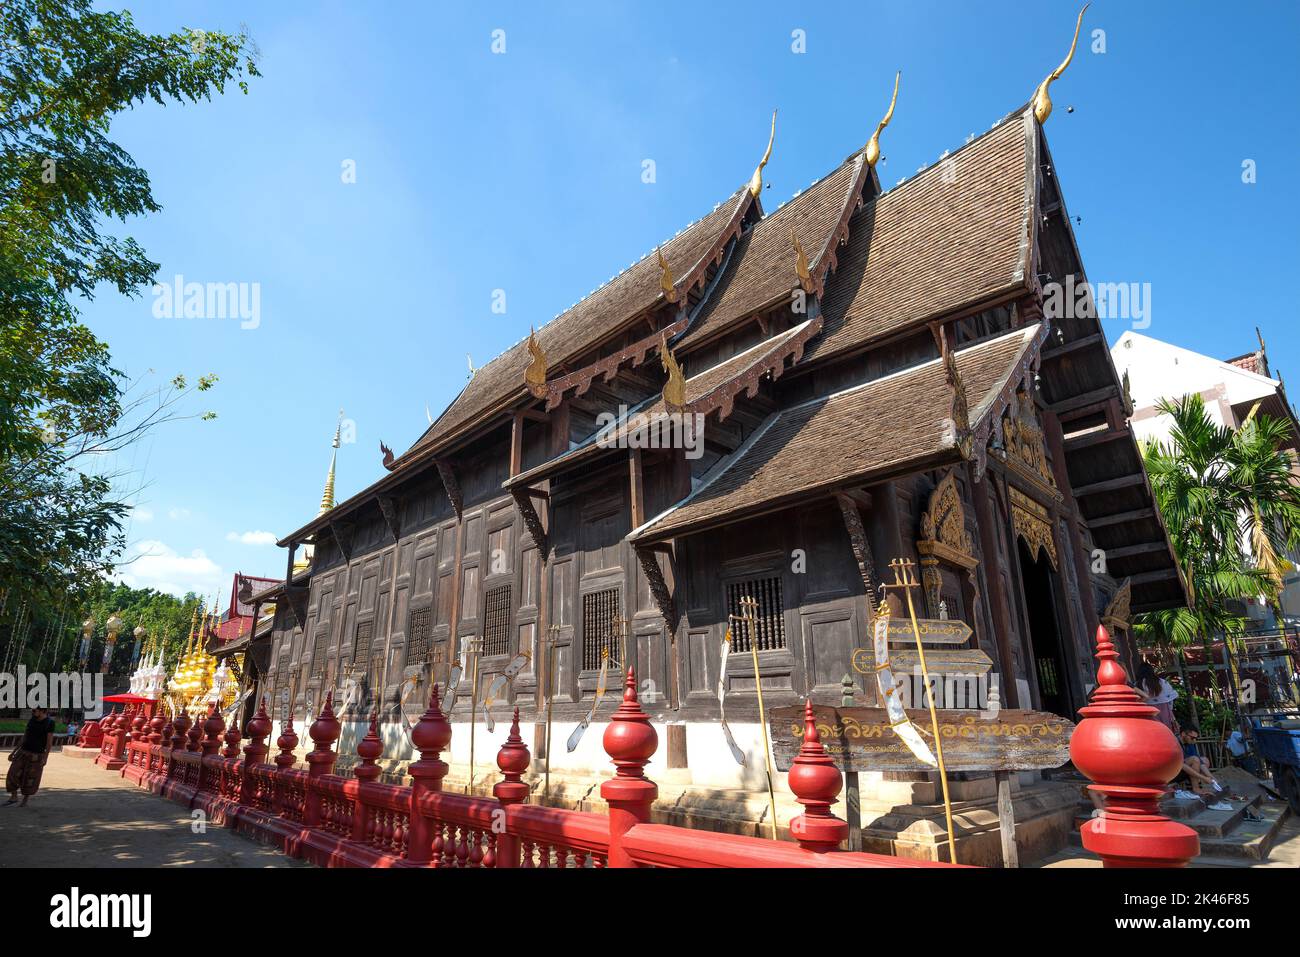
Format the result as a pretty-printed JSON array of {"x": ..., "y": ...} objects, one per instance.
[{"x": 875, "y": 379}]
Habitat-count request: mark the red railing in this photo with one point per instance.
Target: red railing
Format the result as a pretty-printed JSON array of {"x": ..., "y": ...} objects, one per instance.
[{"x": 355, "y": 821}]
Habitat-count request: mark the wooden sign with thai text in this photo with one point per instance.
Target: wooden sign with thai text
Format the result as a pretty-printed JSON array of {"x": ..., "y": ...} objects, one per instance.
[
  {"x": 861, "y": 739},
  {"x": 939, "y": 631},
  {"x": 938, "y": 661}
]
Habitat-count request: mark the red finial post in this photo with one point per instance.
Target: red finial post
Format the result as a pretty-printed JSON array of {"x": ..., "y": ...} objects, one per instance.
[
  {"x": 324, "y": 731},
  {"x": 816, "y": 783},
  {"x": 212, "y": 728},
  {"x": 232, "y": 738},
  {"x": 195, "y": 735},
  {"x": 180, "y": 730},
  {"x": 513, "y": 760},
  {"x": 254, "y": 752},
  {"x": 157, "y": 725},
  {"x": 630, "y": 741},
  {"x": 287, "y": 743},
  {"x": 138, "y": 726},
  {"x": 1130, "y": 755},
  {"x": 369, "y": 750},
  {"x": 431, "y": 736}
]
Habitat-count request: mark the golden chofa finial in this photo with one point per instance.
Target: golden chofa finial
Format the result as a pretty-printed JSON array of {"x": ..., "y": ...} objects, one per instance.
[
  {"x": 1042, "y": 101},
  {"x": 535, "y": 374},
  {"x": 873, "y": 144},
  {"x": 666, "y": 278},
  {"x": 800, "y": 260},
  {"x": 675, "y": 387},
  {"x": 756, "y": 181}
]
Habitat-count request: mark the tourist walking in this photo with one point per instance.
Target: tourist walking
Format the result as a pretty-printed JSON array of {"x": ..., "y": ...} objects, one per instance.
[{"x": 27, "y": 762}]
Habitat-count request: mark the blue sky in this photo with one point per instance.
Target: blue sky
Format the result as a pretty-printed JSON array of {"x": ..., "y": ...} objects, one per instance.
[{"x": 522, "y": 172}]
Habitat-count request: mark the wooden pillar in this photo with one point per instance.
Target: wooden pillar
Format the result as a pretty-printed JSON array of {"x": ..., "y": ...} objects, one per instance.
[{"x": 1000, "y": 606}]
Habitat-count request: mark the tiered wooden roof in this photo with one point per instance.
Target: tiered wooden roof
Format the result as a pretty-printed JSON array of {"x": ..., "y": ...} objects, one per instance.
[{"x": 892, "y": 426}]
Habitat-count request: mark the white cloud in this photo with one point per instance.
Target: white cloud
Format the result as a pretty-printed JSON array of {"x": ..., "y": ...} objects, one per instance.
[
  {"x": 177, "y": 514},
  {"x": 251, "y": 538},
  {"x": 142, "y": 514},
  {"x": 154, "y": 564}
]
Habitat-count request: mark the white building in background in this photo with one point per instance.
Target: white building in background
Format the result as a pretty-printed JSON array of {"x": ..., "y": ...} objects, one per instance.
[{"x": 1153, "y": 370}]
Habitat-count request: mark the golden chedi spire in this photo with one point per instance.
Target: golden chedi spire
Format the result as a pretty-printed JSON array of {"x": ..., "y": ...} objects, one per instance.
[
  {"x": 756, "y": 181},
  {"x": 1042, "y": 102},
  {"x": 873, "y": 144},
  {"x": 327, "y": 496}
]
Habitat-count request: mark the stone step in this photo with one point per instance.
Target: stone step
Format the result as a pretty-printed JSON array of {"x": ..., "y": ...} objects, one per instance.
[{"x": 1244, "y": 841}]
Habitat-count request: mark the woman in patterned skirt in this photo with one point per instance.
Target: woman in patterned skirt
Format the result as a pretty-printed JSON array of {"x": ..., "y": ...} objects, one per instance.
[{"x": 27, "y": 763}]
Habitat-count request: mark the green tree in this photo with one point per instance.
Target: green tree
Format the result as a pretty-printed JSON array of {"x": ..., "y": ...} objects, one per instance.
[
  {"x": 1231, "y": 505},
  {"x": 66, "y": 70}
]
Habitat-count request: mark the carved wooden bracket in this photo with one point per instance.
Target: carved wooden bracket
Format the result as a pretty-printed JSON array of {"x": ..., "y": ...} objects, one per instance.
[
  {"x": 635, "y": 354},
  {"x": 1118, "y": 612},
  {"x": 658, "y": 585},
  {"x": 944, "y": 538},
  {"x": 448, "y": 476},
  {"x": 342, "y": 533},
  {"x": 296, "y": 596},
  {"x": 532, "y": 521},
  {"x": 861, "y": 550},
  {"x": 388, "y": 505}
]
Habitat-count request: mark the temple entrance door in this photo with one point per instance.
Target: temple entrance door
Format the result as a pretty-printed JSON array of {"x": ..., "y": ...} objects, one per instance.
[{"x": 1044, "y": 631}]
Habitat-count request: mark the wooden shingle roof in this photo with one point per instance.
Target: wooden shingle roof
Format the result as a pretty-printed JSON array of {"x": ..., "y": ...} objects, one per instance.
[
  {"x": 763, "y": 270},
  {"x": 953, "y": 236},
  {"x": 893, "y": 425},
  {"x": 584, "y": 325}
]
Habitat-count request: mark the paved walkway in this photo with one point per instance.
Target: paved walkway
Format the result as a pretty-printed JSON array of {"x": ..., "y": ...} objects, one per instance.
[{"x": 87, "y": 816}]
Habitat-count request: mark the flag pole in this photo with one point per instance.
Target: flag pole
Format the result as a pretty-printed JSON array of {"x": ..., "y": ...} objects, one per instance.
[
  {"x": 903, "y": 579},
  {"x": 749, "y": 611},
  {"x": 473, "y": 648},
  {"x": 549, "y": 691}
]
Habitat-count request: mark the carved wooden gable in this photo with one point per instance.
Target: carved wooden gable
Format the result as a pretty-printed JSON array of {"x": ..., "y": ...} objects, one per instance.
[{"x": 1023, "y": 445}]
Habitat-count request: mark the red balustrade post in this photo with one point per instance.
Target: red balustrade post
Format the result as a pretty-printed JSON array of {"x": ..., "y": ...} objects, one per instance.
[
  {"x": 232, "y": 738},
  {"x": 324, "y": 731},
  {"x": 180, "y": 728},
  {"x": 630, "y": 741},
  {"x": 369, "y": 750},
  {"x": 157, "y": 727},
  {"x": 513, "y": 760},
  {"x": 208, "y": 745},
  {"x": 815, "y": 781},
  {"x": 287, "y": 742},
  {"x": 1130, "y": 755},
  {"x": 138, "y": 726},
  {"x": 254, "y": 752},
  {"x": 431, "y": 735},
  {"x": 195, "y": 736}
]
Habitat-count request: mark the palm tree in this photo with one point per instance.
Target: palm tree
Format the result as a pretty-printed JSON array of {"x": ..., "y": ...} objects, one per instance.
[{"x": 1231, "y": 504}]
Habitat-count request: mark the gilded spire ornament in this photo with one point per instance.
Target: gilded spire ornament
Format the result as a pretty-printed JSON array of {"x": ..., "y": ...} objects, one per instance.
[
  {"x": 535, "y": 374},
  {"x": 666, "y": 278},
  {"x": 873, "y": 144},
  {"x": 756, "y": 181},
  {"x": 327, "y": 496},
  {"x": 1042, "y": 101},
  {"x": 800, "y": 260},
  {"x": 675, "y": 387}
]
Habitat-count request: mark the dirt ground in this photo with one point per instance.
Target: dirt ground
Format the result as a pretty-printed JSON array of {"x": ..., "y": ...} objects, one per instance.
[{"x": 85, "y": 816}]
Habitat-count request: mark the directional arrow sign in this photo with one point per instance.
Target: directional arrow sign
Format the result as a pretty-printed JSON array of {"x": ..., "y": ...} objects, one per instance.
[
  {"x": 941, "y": 661},
  {"x": 937, "y": 631}
]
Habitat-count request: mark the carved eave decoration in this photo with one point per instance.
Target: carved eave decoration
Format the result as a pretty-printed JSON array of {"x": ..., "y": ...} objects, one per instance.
[
  {"x": 944, "y": 538},
  {"x": 532, "y": 520},
  {"x": 1031, "y": 523},
  {"x": 535, "y": 373},
  {"x": 654, "y": 574},
  {"x": 693, "y": 281},
  {"x": 988, "y": 430},
  {"x": 1019, "y": 442},
  {"x": 772, "y": 363},
  {"x": 448, "y": 475},
  {"x": 1118, "y": 613}
]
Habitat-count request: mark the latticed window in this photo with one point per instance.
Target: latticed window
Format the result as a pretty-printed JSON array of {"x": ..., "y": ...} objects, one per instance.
[
  {"x": 419, "y": 631},
  {"x": 361, "y": 643},
  {"x": 599, "y": 609},
  {"x": 770, "y": 613},
  {"x": 496, "y": 621},
  {"x": 318, "y": 654}
]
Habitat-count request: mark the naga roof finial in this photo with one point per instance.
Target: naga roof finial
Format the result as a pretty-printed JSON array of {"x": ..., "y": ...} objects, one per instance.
[
  {"x": 666, "y": 278},
  {"x": 675, "y": 387},
  {"x": 800, "y": 259},
  {"x": 873, "y": 144},
  {"x": 756, "y": 181},
  {"x": 1042, "y": 101},
  {"x": 535, "y": 374}
]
